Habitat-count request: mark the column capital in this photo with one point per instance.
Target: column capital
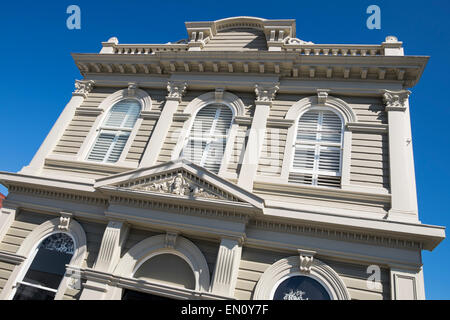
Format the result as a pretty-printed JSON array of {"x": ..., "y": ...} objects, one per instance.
[
  {"x": 395, "y": 100},
  {"x": 265, "y": 93},
  {"x": 176, "y": 90},
  {"x": 83, "y": 87}
]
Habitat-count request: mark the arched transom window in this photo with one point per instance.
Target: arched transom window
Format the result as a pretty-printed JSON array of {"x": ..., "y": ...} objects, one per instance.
[
  {"x": 115, "y": 131},
  {"x": 205, "y": 145},
  {"x": 318, "y": 149},
  {"x": 47, "y": 268},
  {"x": 300, "y": 287}
]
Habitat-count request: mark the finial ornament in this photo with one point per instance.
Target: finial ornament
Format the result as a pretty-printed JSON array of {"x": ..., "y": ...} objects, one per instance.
[
  {"x": 265, "y": 94},
  {"x": 176, "y": 90},
  {"x": 83, "y": 87},
  {"x": 395, "y": 100}
]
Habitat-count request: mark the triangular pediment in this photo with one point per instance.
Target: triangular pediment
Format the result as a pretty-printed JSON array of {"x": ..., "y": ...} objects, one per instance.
[{"x": 179, "y": 179}]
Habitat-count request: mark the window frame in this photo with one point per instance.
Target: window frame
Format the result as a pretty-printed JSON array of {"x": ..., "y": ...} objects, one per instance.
[
  {"x": 315, "y": 172},
  {"x": 238, "y": 108},
  {"x": 105, "y": 106},
  {"x": 209, "y": 139},
  {"x": 116, "y": 131},
  {"x": 19, "y": 278}
]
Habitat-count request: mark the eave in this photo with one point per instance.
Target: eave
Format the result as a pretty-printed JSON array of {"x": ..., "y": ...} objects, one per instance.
[{"x": 404, "y": 70}]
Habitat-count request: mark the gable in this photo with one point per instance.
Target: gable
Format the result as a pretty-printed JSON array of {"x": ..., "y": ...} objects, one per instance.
[
  {"x": 181, "y": 180},
  {"x": 237, "y": 39}
]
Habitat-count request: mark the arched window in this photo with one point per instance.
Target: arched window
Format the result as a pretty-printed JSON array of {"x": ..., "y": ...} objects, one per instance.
[
  {"x": 300, "y": 287},
  {"x": 47, "y": 268},
  {"x": 205, "y": 145},
  {"x": 115, "y": 131},
  {"x": 318, "y": 149},
  {"x": 167, "y": 269}
]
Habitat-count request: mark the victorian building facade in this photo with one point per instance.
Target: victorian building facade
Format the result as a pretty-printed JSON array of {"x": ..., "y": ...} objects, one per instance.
[{"x": 240, "y": 163}]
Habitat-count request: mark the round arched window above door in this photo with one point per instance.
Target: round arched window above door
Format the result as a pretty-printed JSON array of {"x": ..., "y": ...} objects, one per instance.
[{"x": 300, "y": 287}]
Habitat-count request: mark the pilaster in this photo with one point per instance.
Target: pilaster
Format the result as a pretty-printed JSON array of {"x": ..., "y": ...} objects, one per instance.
[
  {"x": 176, "y": 91},
  {"x": 109, "y": 255},
  {"x": 7, "y": 216},
  {"x": 82, "y": 89},
  {"x": 407, "y": 284},
  {"x": 227, "y": 267},
  {"x": 402, "y": 179},
  {"x": 264, "y": 98}
]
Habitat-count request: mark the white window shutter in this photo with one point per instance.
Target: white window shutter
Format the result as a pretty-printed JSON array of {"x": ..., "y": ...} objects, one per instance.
[
  {"x": 318, "y": 149},
  {"x": 207, "y": 139},
  {"x": 115, "y": 131}
]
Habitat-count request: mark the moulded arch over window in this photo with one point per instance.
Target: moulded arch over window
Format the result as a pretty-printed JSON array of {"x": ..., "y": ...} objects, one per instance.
[
  {"x": 316, "y": 150},
  {"x": 281, "y": 270},
  {"x": 156, "y": 245},
  {"x": 31, "y": 244},
  {"x": 114, "y": 131},
  {"x": 213, "y": 149}
]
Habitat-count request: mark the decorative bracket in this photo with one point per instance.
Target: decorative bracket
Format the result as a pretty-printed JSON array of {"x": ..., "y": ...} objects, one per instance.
[
  {"x": 83, "y": 87},
  {"x": 64, "y": 221},
  {"x": 132, "y": 87},
  {"x": 395, "y": 100},
  {"x": 265, "y": 94},
  {"x": 322, "y": 95},
  {"x": 176, "y": 90},
  {"x": 171, "y": 239},
  {"x": 306, "y": 260},
  {"x": 219, "y": 94}
]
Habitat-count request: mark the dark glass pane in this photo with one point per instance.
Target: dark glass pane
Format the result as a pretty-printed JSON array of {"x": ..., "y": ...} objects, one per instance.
[
  {"x": 301, "y": 288},
  {"x": 25, "y": 292},
  {"x": 136, "y": 295},
  {"x": 48, "y": 268}
]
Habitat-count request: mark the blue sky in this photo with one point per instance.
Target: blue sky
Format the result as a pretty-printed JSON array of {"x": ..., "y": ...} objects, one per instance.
[{"x": 38, "y": 72}]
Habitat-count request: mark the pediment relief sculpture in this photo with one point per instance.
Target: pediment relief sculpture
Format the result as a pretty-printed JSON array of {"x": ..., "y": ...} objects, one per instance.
[{"x": 178, "y": 185}]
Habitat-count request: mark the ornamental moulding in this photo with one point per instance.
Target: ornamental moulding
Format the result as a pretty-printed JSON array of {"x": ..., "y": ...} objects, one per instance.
[
  {"x": 395, "y": 100},
  {"x": 178, "y": 185},
  {"x": 176, "y": 90},
  {"x": 83, "y": 87},
  {"x": 265, "y": 94}
]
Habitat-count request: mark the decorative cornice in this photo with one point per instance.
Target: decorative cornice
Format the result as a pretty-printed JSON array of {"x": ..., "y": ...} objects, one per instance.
[
  {"x": 265, "y": 94},
  {"x": 279, "y": 123},
  {"x": 176, "y": 90},
  {"x": 395, "y": 100},
  {"x": 243, "y": 120},
  {"x": 150, "y": 115},
  {"x": 181, "y": 116},
  {"x": 83, "y": 87}
]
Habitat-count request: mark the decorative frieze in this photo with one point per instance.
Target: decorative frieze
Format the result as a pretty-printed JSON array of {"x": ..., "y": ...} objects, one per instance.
[
  {"x": 178, "y": 185},
  {"x": 83, "y": 87},
  {"x": 395, "y": 100},
  {"x": 176, "y": 90}
]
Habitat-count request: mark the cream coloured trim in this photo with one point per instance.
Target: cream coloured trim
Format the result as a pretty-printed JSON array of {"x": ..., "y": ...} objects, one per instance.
[
  {"x": 291, "y": 266},
  {"x": 226, "y": 98},
  {"x": 146, "y": 105},
  {"x": 156, "y": 245},
  {"x": 29, "y": 245}
]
